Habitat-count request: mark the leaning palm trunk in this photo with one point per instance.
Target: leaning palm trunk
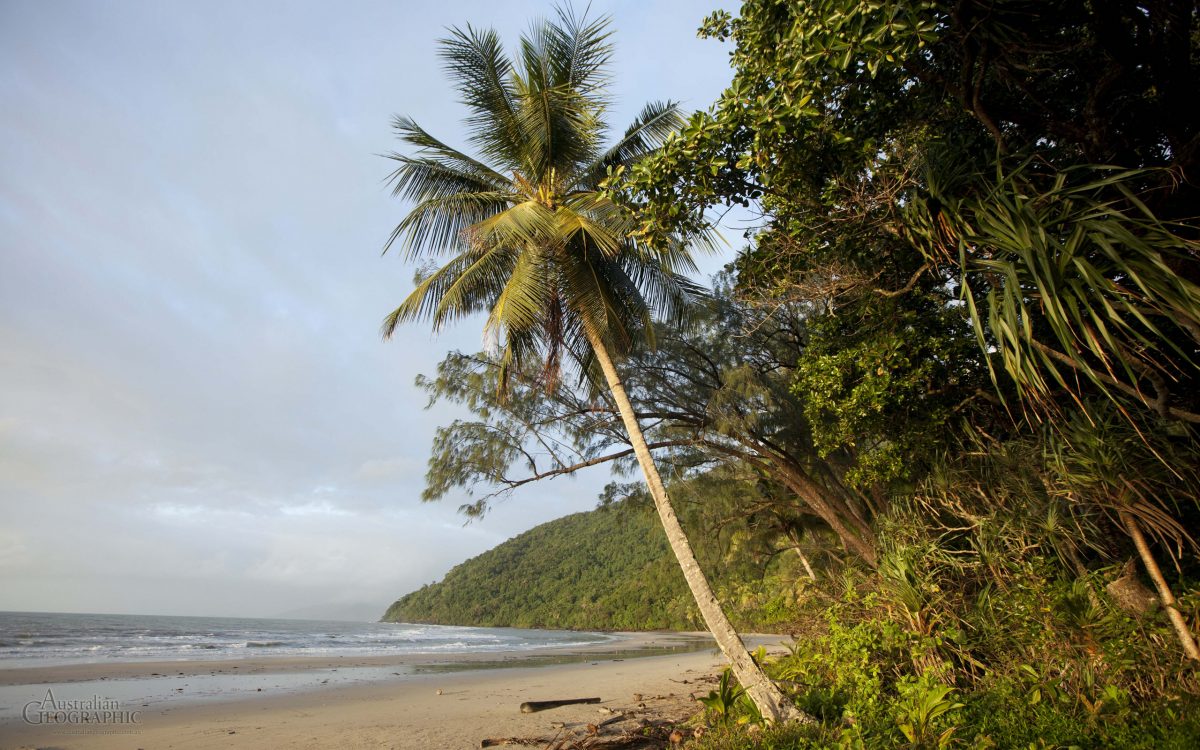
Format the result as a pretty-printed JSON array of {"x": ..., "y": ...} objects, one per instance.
[
  {"x": 535, "y": 242},
  {"x": 771, "y": 702},
  {"x": 1186, "y": 639}
]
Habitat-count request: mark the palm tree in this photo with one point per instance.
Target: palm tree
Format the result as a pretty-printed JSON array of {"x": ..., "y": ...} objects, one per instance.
[{"x": 534, "y": 243}]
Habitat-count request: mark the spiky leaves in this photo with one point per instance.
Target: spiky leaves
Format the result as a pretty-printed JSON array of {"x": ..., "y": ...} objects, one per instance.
[
  {"x": 1076, "y": 280},
  {"x": 531, "y": 240}
]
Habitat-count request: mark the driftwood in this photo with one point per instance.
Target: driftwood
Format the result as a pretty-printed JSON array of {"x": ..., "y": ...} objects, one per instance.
[
  {"x": 644, "y": 734},
  {"x": 529, "y": 707}
]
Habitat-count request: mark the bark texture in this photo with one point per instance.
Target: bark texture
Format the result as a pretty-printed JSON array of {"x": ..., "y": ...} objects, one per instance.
[
  {"x": 771, "y": 702},
  {"x": 860, "y": 541},
  {"x": 1186, "y": 639}
]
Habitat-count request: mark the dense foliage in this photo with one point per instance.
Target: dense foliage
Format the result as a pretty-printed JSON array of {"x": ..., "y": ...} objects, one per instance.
[
  {"x": 611, "y": 569},
  {"x": 601, "y": 570},
  {"x": 982, "y": 259},
  {"x": 986, "y": 214},
  {"x": 956, "y": 367},
  {"x": 999, "y": 649},
  {"x": 1040, "y": 162}
]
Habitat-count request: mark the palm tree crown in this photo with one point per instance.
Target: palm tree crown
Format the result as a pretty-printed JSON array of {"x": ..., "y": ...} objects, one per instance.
[{"x": 531, "y": 239}]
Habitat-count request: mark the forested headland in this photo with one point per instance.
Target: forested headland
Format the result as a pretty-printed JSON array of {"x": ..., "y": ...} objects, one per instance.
[
  {"x": 610, "y": 569},
  {"x": 941, "y": 414}
]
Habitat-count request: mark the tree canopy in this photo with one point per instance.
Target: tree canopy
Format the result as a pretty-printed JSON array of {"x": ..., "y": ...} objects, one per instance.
[
  {"x": 1041, "y": 162},
  {"x": 955, "y": 366}
]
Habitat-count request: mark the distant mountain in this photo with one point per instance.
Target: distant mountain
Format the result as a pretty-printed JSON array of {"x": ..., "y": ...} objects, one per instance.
[{"x": 607, "y": 569}]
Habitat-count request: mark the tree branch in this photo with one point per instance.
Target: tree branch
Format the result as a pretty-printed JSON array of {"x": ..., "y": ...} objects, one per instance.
[
  {"x": 907, "y": 287},
  {"x": 1128, "y": 390},
  {"x": 512, "y": 484}
]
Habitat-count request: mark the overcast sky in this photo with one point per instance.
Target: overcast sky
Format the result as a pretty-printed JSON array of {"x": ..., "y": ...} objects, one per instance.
[{"x": 197, "y": 414}]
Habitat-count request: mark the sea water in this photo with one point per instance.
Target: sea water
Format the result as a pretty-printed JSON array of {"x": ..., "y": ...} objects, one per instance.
[{"x": 30, "y": 639}]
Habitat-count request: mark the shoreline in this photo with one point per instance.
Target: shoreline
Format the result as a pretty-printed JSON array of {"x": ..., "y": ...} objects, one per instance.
[
  {"x": 388, "y": 709},
  {"x": 623, "y": 645}
]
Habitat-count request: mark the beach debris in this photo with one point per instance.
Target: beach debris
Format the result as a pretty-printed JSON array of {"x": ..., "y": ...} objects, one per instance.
[
  {"x": 605, "y": 710},
  {"x": 502, "y": 741},
  {"x": 529, "y": 707},
  {"x": 637, "y": 697}
]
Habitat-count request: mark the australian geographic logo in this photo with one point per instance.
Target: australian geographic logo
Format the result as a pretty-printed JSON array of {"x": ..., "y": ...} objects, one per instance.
[{"x": 96, "y": 710}]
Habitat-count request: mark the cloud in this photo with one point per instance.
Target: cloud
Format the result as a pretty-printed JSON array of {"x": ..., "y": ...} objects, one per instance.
[
  {"x": 376, "y": 469},
  {"x": 314, "y": 508},
  {"x": 14, "y": 553},
  {"x": 197, "y": 414}
]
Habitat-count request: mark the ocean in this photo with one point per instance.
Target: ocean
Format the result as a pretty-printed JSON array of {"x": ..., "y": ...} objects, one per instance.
[
  {"x": 153, "y": 663},
  {"x": 31, "y": 639}
]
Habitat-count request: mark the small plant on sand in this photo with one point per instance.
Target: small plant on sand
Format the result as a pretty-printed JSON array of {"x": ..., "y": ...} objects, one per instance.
[{"x": 730, "y": 704}]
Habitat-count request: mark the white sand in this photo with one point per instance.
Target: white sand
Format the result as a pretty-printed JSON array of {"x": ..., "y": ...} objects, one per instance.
[{"x": 404, "y": 712}]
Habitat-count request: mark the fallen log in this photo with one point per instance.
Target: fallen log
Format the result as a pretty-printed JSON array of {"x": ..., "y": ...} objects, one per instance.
[{"x": 529, "y": 707}]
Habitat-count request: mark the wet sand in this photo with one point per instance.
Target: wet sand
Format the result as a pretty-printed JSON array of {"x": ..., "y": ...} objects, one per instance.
[{"x": 366, "y": 702}]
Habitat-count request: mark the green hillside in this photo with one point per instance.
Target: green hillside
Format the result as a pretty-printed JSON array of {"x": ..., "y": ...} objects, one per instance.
[{"x": 609, "y": 568}]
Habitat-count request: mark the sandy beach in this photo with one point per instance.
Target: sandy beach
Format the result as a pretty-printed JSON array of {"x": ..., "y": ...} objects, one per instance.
[{"x": 367, "y": 702}]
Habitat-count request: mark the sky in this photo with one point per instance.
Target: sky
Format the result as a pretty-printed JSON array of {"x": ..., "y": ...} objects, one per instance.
[{"x": 197, "y": 413}]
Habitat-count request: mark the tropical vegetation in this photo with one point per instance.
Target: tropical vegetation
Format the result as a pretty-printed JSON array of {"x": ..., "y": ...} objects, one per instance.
[
  {"x": 611, "y": 569},
  {"x": 555, "y": 263},
  {"x": 954, "y": 370}
]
